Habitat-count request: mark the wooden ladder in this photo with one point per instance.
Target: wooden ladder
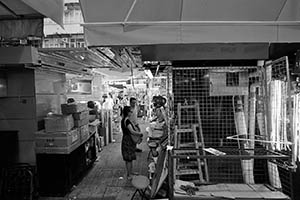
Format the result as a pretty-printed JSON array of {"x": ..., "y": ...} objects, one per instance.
[{"x": 188, "y": 131}]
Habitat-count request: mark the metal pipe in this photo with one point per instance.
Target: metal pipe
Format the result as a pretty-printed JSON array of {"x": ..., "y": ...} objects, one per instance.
[
  {"x": 130, "y": 11},
  {"x": 111, "y": 60},
  {"x": 246, "y": 23},
  {"x": 230, "y": 157}
]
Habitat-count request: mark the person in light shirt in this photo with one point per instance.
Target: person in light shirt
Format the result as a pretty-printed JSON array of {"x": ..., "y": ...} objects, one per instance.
[
  {"x": 108, "y": 103},
  {"x": 133, "y": 117}
]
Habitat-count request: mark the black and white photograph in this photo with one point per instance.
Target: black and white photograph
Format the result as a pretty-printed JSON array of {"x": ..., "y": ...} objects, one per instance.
[{"x": 149, "y": 99}]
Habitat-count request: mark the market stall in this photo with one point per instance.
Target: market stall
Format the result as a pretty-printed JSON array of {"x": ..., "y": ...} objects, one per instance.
[
  {"x": 68, "y": 146},
  {"x": 238, "y": 136},
  {"x": 234, "y": 136}
]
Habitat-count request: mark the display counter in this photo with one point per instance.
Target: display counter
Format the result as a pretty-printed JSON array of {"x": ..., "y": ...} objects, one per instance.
[{"x": 58, "y": 170}]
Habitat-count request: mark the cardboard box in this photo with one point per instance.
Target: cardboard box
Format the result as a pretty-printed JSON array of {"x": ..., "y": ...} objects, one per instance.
[
  {"x": 57, "y": 150},
  {"x": 58, "y": 139},
  {"x": 81, "y": 115},
  {"x": 84, "y": 132},
  {"x": 59, "y": 123},
  {"x": 67, "y": 109},
  {"x": 81, "y": 122}
]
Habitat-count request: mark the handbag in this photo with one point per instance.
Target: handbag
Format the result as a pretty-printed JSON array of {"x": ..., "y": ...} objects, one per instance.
[{"x": 137, "y": 139}]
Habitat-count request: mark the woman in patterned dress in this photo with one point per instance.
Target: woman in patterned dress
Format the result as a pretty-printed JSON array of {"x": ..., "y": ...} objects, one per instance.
[{"x": 128, "y": 145}]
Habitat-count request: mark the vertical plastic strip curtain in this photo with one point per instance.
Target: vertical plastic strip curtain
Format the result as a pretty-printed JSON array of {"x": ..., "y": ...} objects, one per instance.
[
  {"x": 296, "y": 126},
  {"x": 277, "y": 97},
  {"x": 278, "y": 103}
]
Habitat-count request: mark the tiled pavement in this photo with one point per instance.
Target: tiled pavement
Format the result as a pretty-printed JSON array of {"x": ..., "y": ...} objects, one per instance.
[{"x": 106, "y": 180}]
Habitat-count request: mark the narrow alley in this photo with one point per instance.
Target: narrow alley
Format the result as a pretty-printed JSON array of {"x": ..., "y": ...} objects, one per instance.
[{"x": 106, "y": 180}]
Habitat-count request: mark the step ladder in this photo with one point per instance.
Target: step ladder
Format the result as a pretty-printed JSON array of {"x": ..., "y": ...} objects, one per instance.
[{"x": 186, "y": 139}]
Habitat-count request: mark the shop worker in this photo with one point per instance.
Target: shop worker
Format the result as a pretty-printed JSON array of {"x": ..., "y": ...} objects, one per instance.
[
  {"x": 133, "y": 117},
  {"x": 128, "y": 145}
]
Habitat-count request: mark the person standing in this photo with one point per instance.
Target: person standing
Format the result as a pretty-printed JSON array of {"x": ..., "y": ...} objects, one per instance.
[
  {"x": 133, "y": 118},
  {"x": 128, "y": 146},
  {"x": 93, "y": 114}
]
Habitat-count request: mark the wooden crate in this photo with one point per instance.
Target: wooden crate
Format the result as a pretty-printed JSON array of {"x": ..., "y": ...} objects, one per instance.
[
  {"x": 58, "y": 139},
  {"x": 59, "y": 123},
  {"x": 81, "y": 115},
  {"x": 73, "y": 108}
]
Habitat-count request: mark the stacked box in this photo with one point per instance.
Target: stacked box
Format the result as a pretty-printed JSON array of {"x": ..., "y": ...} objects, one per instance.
[
  {"x": 81, "y": 122},
  {"x": 57, "y": 150},
  {"x": 58, "y": 123},
  {"x": 67, "y": 109},
  {"x": 57, "y": 139},
  {"x": 81, "y": 115},
  {"x": 84, "y": 132}
]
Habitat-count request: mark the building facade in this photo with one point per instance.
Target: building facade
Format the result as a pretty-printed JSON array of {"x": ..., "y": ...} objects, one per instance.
[{"x": 71, "y": 34}]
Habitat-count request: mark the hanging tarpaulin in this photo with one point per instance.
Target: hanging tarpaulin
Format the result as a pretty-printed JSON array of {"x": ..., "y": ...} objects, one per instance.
[
  {"x": 52, "y": 9},
  {"x": 136, "y": 22},
  {"x": 278, "y": 102}
]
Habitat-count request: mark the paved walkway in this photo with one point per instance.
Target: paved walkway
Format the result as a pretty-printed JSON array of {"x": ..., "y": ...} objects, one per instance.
[{"x": 106, "y": 180}]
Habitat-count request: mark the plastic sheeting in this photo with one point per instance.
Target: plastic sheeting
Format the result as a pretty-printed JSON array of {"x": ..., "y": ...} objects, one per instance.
[{"x": 142, "y": 22}]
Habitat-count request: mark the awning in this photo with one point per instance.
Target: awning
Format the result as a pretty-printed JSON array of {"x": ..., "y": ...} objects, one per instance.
[
  {"x": 52, "y": 9},
  {"x": 18, "y": 9},
  {"x": 142, "y": 22}
]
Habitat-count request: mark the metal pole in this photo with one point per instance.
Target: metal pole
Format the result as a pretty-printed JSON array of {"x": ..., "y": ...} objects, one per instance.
[{"x": 170, "y": 178}]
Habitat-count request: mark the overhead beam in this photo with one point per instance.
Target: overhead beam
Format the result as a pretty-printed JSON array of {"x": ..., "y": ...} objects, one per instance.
[
  {"x": 130, "y": 56},
  {"x": 53, "y": 62},
  {"x": 217, "y": 51},
  {"x": 111, "y": 60},
  {"x": 118, "y": 57}
]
